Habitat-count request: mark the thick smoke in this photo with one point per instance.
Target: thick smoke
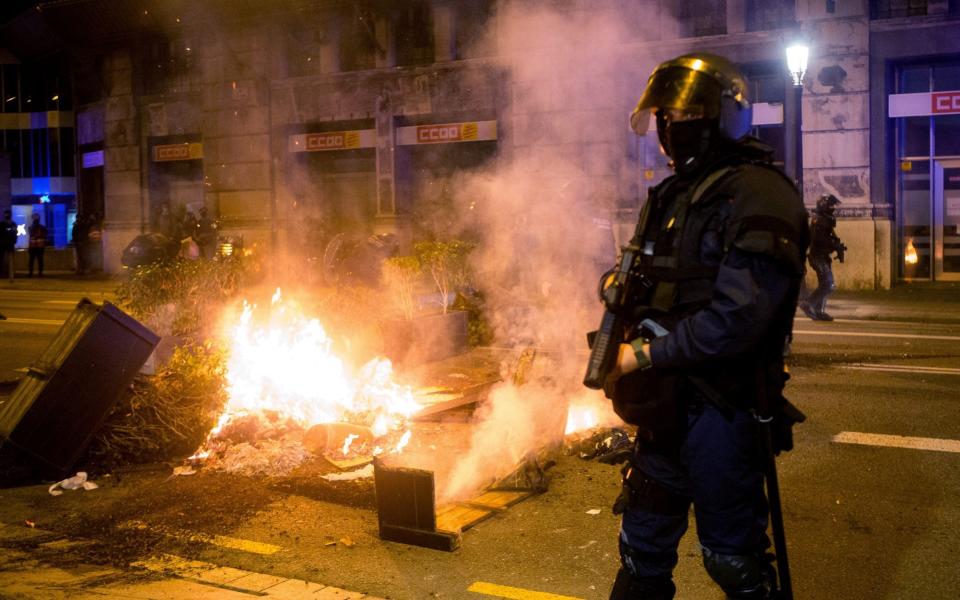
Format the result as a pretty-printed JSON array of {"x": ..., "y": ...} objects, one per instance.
[{"x": 543, "y": 211}]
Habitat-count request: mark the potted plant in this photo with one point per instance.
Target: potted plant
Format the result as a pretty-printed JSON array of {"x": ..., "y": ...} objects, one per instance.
[{"x": 428, "y": 329}]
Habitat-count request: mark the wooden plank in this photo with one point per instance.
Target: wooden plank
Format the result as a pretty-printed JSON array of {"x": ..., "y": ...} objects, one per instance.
[
  {"x": 458, "y": 518},
  {"x": 405, "y": 497},
  {"x": 437, "y": 540},
  {"x": 349, "y": 464},
  {"x": 499, "y": 499},
  {"x": 470, "y": 395}
]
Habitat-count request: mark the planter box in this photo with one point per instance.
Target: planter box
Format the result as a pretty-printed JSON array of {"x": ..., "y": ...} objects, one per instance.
[{"x": 426, "y": 338}]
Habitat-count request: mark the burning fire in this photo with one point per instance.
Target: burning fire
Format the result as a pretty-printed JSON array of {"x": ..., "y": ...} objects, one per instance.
[
  {"x": 589, "y": 410},
  {"x": 910, "y": 254},
  {"x": 284, "y": 364}
]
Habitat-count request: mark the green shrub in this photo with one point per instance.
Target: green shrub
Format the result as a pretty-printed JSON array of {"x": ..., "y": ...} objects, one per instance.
[
  {"x": 446, "y": 261},
  {"x": 401, "y": 277},
  {"x": 167, "y": 416},
  {"x": 180, "y": 297}
]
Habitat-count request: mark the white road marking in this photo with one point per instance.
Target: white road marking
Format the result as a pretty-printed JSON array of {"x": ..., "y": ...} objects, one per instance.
[
  {"x": 897, "y": 441},
  {"x": 908, "y": 336},
  {"x": 902, "y": 369}
]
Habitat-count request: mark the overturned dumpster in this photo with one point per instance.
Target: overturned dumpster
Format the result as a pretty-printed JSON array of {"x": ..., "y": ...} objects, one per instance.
[{"x": 69, "y": 390}]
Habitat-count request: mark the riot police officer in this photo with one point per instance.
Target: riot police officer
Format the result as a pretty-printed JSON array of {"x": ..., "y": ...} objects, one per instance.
[
  {"x": 823, "y": 243},
  {"x": 721, "y": 247}
]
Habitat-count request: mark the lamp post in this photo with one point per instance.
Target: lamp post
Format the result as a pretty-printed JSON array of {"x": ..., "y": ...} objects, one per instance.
[{"x": 797, "y": 55}]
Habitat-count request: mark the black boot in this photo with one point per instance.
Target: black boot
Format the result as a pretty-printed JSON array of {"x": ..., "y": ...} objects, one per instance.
[
  {"x": 628, "y": 587},
  {"x": 808, "y": 310}
]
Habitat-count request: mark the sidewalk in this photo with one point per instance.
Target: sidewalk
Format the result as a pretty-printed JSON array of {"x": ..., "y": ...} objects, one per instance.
[
  {"x": 917, "y": 302},
  {"x": 63, "y": 282},
  {"x": 914, "y": 302}
]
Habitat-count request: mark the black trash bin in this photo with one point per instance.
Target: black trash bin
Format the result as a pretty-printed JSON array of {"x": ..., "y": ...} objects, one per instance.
[{"x": 69, "y": 391}]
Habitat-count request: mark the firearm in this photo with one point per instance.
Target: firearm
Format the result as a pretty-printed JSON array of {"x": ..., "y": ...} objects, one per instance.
[
  {"x": 841, "y": 250},
  {"x": 619, "y": 288}
]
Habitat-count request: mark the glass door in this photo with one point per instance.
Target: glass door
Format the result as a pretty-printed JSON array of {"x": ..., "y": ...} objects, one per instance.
[{"x": 946, "y": 219}]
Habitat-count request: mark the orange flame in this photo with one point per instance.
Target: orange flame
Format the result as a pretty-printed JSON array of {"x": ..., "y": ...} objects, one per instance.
[
  {"x": 910, "y": 254},
  {"x": 285, "y": 363}
]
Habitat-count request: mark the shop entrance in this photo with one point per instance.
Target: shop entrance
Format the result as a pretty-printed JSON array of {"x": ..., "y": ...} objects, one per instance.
[{"x": 946, "y": 219}]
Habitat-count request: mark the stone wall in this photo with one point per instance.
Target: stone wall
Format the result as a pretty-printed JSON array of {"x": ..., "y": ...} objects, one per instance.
[
  {"x": 122, "y": 150},
  {"x": 235, "y": 126},
  {"x": 836, "y": 136}
]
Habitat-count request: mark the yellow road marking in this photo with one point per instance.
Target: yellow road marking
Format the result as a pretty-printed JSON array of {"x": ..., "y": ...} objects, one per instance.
[
  {"x": 23, "y": 321},
  {"x": 217, "y": 540},
  {"x": 503, "y": 591},
  {"x": 897, "y": 441}
]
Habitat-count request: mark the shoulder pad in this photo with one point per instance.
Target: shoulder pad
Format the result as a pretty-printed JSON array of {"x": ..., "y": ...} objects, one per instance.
[{"x": 767, "y": 215}]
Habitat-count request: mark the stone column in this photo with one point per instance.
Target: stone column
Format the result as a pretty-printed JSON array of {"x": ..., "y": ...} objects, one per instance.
[
  {"x": 836, "y": 139},
  {"x": 236, "y": 134},
  {"x": 444, "y": 31},
  {"x": 736, "y": 16},
  {"x": 386, "y": 218},
  {"x": 330, "y": 44},
  {"x": 123, "y": 197},
  {"x": 386, "y": 42}
]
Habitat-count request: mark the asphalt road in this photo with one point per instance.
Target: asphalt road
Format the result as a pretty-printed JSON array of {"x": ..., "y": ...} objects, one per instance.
[{"x": 868, "y": 516}]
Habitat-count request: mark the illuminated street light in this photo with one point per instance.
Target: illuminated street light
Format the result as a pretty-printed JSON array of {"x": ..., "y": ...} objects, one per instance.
[{"x": 797, "y": 55}]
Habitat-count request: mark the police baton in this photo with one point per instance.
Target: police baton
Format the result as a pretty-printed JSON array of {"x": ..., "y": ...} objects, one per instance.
[{"x": 764, "y": 419}]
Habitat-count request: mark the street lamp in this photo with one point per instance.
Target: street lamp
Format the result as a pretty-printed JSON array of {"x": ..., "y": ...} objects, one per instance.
[{"x": 797, "y": 55}]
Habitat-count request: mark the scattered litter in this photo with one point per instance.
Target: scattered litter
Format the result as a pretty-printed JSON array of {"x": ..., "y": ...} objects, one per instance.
[
  {"x": 276, "y": 458},
  {"x": 73, "y": 483},
  {"x": 367, "y": 471},
  {"x": 330, "y": 543},
  {"x": 587, "y": 545},
  {"x": 605, "y": 444},
  {"x": 347, "y": 542},
  {"x": 30, "y": 523},
  {"x": 183, "y": 470},
  {"x": 593, "y": 511}
]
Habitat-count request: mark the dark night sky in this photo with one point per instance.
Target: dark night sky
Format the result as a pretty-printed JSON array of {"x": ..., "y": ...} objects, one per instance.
[{"x": 11, "y": 8}]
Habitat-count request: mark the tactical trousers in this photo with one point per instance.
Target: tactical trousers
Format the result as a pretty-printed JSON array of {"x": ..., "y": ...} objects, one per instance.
[
  {"x": 825, "y": 284},
  {"x": 719, "y": 470}
]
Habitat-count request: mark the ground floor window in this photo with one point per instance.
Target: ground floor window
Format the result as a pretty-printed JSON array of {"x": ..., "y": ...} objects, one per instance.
[
  {"x": 928, "y": 172},
  {"x": 57, "y": 214}
]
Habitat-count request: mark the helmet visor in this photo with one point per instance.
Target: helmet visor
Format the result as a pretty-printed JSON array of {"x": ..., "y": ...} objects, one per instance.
[{"x": 676, "y": 87}]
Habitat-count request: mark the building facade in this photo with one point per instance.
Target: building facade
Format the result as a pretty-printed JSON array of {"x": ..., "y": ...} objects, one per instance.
[{"x": 294, "y": 121}]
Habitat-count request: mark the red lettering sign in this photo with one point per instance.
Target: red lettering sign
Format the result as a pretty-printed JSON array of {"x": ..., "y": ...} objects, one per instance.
[
  {"x": 171, "y": 152},
  {"x": 427, "y": 134},
  {"x": 945, "y": 102},
  {"x": 325, "y": 141}
]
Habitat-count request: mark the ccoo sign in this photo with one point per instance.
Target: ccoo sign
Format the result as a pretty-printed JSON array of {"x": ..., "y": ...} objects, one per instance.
[{"x": 945, "y": 102}]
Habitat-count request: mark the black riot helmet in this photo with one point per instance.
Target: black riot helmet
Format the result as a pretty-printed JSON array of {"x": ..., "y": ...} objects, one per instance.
[
  {"x": 697, "y": 83},
  {"x": 826, "y": 203}
]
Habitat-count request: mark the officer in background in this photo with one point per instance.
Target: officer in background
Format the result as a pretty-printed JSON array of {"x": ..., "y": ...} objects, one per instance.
[
  {"x": 8, "y": 244},
  {"x": 823, "y": 243},
  {"x": 722, "y": 244}
]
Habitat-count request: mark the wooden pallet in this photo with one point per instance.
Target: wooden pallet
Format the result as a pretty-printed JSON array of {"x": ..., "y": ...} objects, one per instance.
[{"x": 407, "y": 511}]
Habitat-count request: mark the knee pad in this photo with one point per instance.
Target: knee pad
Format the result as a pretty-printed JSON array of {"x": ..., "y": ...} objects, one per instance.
[
  {"x": 630, "y": 587},
  {"x": 742, "y": 577},
  {"x": 647, "y": 565}
]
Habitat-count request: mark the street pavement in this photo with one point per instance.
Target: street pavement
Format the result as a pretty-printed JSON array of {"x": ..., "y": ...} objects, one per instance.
[{"x": 869, "y": 493}]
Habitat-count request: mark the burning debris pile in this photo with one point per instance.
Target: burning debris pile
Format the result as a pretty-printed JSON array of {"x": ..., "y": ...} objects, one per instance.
[{"x": 291, "y": 397}]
